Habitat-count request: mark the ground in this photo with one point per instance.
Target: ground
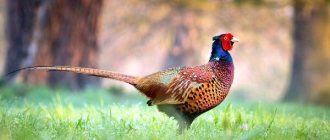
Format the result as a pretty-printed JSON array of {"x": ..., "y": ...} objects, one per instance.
[{"x": 42, "y": 113}]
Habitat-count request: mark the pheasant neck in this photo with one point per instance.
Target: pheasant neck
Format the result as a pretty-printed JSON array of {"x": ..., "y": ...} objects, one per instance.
[{"x": 218, "y": 54}]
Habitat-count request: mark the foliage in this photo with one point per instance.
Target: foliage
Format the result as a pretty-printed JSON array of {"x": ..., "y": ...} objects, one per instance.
[{"x": 42, "y": 113}]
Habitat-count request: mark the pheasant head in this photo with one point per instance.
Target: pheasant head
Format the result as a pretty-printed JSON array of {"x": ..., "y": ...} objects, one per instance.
[{"x": 221, "y": 45}]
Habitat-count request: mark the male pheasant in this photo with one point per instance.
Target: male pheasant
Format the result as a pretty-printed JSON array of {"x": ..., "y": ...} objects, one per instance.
[{"x": 182, "y": 92}]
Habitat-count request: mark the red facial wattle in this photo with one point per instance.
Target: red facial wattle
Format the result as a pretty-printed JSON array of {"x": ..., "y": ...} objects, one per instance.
[{"x": 226, "y": 41}]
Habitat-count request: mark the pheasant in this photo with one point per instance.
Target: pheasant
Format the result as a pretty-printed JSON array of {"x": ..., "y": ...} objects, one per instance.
[{"x": 181, "y": 92}]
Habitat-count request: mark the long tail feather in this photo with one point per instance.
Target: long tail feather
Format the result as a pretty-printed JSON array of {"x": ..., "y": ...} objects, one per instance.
[{"x": 87, "y": 71}]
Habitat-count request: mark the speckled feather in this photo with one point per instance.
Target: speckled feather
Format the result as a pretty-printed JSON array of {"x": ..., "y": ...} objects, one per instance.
[{"x": 212, "y": 92}]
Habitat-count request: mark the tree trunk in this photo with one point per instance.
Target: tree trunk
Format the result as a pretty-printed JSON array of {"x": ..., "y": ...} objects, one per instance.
[
  {"x": 21, "y": 15},
  {"x": 310, "y": 78},
  {"x": 68, "y": 31}
]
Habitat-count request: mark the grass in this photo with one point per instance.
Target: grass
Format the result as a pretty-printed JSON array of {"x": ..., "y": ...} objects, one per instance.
[{"x": 41, "y": 113}]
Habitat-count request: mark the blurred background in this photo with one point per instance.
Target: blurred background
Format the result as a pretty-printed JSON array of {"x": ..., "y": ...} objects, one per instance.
[{"x": 283, "y": 53}]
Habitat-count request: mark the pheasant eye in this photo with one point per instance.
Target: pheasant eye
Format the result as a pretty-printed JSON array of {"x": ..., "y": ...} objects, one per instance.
[{"x": 225, "y": 38}]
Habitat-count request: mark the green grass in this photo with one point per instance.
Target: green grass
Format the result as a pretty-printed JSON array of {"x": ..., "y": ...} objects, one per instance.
[{"x": 41, "y": 113}]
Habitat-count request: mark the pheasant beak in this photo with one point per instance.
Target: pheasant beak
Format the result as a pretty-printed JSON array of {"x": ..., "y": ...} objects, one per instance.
[{"x": 234, "y": 39}]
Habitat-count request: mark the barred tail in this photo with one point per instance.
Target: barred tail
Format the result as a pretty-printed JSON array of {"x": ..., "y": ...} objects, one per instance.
[{"x": 87, "y": 71}]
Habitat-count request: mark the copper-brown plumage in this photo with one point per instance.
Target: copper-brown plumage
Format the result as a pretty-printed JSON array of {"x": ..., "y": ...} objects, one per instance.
[{"x": 182, "y": 92}]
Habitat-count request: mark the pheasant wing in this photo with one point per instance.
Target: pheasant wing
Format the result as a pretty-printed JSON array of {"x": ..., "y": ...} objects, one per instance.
[{"x": 180, "y": 86}]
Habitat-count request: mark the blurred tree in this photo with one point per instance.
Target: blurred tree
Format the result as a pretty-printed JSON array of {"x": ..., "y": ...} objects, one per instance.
[
  {"x": 21, "y": 15},
  {"x": 179, "y": 24},
  {"x": 185, "y": 31},
  {"x": 59, "y": 32},
  {"x": 310, "y": 78},
  {"x": 184, "y": 34},
  {"x": 67, "y": 32}
]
